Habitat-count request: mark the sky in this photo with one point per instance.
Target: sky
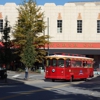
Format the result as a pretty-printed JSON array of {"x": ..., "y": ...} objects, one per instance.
[{"x": 42, "y": 2}]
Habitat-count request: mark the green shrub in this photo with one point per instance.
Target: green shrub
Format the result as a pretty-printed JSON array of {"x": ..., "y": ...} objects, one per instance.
[
  {"x": 20, "y": 70},
  {"x": 37, "y": 71}
]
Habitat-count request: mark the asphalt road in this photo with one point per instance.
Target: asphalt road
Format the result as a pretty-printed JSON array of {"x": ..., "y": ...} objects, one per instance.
[{"x": 37, "y": 88}]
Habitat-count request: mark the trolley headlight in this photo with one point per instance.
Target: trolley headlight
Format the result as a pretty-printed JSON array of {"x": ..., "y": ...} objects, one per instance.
[
  {"x": 69, "y": 70},
  {"x": 62, "y": 72},
  {"x": 53, "y": 70}
]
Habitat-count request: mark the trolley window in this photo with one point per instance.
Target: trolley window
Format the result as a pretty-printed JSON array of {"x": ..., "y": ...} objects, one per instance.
[
  {"x": 76, "y": 64},
  {"x": 47, "y": 62},
  {"x": 87, "y": 64},
  {"x": 61, "y": 62},
  {"x": 54, "y": 62},
  {"x": 68, "y": 62}
]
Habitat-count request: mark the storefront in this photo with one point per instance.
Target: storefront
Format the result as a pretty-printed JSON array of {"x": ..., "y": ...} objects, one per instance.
[{"x": 88, "y": 49}]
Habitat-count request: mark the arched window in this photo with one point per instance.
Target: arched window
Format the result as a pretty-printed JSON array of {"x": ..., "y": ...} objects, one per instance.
[
  {"x": 68, "y": 62},
  {"x": 48, "y": 62},
  {"x": 61, "y": 62},
  {"x": 54, "y": 62}
]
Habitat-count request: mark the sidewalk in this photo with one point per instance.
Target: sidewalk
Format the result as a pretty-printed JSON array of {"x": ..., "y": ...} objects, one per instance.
[
  {"x": 94, "y": 80},
  {"x": 11, "y": 80}
]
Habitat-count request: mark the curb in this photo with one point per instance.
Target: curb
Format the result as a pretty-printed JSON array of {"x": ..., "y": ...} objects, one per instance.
[
  {"x": 15, "y": 81},
  {"x": 10, "y": 83},
  {"x": 30, "y": 81}
]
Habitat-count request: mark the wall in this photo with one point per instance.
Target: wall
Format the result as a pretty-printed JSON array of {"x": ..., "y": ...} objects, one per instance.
[{"x": 89, "y": 14}]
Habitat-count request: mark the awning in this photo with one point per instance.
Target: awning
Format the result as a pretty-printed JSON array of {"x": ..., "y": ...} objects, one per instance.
[{"x": 76, "y": 51}]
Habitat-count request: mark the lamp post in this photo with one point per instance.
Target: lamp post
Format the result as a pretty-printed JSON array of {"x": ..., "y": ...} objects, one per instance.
[{"x": 48, "y": 33}]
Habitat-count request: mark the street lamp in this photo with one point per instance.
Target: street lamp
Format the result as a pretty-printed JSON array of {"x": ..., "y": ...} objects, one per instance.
[{"x": 48, "y": 33}]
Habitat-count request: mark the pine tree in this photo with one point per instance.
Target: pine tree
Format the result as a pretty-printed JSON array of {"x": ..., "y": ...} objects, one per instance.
[
  {"x": 28, "y": 33},
  {"x": 29, "y": 54}
]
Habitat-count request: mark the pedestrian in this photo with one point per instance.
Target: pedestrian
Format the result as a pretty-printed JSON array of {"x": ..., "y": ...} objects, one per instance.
[{"x": 26, "y": 73}]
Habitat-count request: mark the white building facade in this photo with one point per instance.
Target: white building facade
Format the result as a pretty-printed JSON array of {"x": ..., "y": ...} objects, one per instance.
[{"x": 73, "y": 27}]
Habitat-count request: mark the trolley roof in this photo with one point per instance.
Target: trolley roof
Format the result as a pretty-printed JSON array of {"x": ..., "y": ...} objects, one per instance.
[{"x": 67, "y": 56}]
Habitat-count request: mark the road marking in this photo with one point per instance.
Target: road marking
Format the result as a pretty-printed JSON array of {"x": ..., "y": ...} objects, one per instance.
[
  {"x": 30, "y": 76},
  {"x": 33, "y": 82},
  {"x": 58, "y": 86},
  {"x": 16, "y": 75}
]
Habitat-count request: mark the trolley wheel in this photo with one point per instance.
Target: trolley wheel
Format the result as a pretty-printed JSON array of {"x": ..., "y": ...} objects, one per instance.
[
  {"x": 53, "y": 80},
  {"x": 92, "y": 75},
  {"x": 71, "y": 78}
]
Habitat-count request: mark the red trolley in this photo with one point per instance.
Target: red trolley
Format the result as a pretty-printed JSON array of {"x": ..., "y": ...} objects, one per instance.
[{"x": 68, "y": 67}]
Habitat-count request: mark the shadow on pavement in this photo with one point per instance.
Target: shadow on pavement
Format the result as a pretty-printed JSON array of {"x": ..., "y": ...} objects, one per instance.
[
  {"x": 9, "y": 81},
  {"x": 92, "y": 84},
  {"x": 50, "y": 80},
  {"x": 33, "y": 92}
]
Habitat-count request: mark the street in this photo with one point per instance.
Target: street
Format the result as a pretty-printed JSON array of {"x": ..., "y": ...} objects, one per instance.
[{"x": 37, "y": 88}]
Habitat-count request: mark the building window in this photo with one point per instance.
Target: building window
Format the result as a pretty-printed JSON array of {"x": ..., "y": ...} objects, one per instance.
[
  {"x": 98, "y": 26},
  {"x": 79, "y": 26},
  {"x": 59, "y": 26},
  {"x": 1, "y": 25}
]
